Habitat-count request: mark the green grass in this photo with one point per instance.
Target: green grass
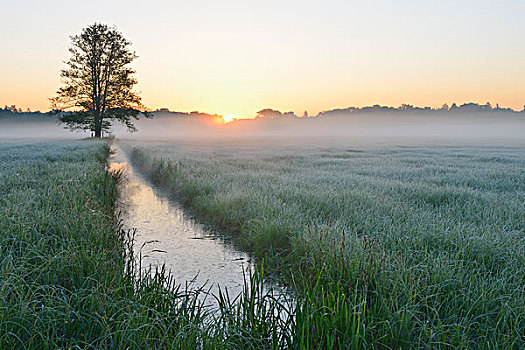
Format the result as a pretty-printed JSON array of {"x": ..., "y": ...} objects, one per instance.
[
  {"x": 68, "y": 279},
  {"x": 401, "y": 248},
  {"x": 388, "y": 248}
]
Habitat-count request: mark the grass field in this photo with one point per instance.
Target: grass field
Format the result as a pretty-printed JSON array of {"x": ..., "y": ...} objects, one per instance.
[
  {"x": 398, "y": 248},
  {"x": 388, "y": 248},
  {"x": 67, "y": 277}
]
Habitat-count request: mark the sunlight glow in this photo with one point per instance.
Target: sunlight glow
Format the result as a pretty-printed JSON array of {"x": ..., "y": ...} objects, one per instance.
[{"x": 229, "y": 118}]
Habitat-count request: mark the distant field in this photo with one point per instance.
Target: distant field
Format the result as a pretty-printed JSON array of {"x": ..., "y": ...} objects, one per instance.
[{"x": 389, "y": 248}]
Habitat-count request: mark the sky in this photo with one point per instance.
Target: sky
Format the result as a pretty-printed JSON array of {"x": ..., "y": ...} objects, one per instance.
[{"x": 236, "y": 57}]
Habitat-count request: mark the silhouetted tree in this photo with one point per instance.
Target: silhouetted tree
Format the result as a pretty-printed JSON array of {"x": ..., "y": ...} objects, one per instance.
[
  {"x": 444, "y": 108},
  {"x": 406, "y": 107},
  {"x": 269, "y": 113},
  {"x": 98, "y": 82}
]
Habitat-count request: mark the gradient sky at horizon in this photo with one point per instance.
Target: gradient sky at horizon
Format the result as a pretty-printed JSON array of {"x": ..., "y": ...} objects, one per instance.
[{"x": 237, "y": 57}]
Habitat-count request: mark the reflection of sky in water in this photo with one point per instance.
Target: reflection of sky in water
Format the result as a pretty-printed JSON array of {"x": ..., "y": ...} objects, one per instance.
[{"x": 166, "y": 235}]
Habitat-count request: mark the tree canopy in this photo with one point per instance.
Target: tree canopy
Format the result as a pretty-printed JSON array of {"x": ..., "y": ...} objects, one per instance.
[{"x": 98, "y": 82}]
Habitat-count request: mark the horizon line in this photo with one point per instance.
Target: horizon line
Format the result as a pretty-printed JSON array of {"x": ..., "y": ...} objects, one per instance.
[{"x": 402, "y": 107}]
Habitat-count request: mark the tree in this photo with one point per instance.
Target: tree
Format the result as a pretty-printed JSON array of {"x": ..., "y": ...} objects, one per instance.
[
  {"x": 269, "y": 113},
  {"x": 98, "y": 82},
  {"x": 444, "y": 108}
]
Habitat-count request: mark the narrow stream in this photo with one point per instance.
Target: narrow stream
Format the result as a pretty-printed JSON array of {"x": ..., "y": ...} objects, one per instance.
[{"x": 167, "y": 235}]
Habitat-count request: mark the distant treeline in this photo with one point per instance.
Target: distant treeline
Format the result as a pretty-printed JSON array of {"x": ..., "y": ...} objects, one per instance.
[
  {"x": 471, "y": 107},
  {"x": 407, "y": 108},
  {"x": 269, "y": 113},
  {"x": 13, "y": 109}
]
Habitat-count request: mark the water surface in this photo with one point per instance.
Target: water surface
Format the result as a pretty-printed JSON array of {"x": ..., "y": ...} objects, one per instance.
[{"x": 167, "y": 235}]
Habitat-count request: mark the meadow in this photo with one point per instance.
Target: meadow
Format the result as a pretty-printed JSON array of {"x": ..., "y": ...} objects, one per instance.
[
  {"x": 381, "y": 248},
  {"x": 399, "y": 247},
  {"x": 68, "y": 277}
]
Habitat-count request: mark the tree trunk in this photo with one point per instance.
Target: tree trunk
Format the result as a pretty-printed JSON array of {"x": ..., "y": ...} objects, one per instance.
[{"x": 98, "y": 126}]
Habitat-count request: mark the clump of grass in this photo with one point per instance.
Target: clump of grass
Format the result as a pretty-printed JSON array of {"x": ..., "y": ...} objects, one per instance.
[{"x": 402, "y": 248}]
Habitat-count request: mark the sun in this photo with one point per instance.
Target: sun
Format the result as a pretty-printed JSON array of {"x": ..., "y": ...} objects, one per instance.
[{"x": 229, "y": 118}]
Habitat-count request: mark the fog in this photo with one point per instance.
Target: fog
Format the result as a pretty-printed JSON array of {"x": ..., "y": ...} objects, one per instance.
[
  {"x": 20, "y": 127},
  {"x": 382, "y": 128}
]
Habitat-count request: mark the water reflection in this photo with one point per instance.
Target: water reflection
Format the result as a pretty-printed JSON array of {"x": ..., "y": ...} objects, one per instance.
[{"x": 166, "y": 235}]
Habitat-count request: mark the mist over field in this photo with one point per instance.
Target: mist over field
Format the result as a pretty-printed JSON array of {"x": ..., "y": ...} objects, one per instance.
[
  {"x": 470, "y": 128},
  {"x": 361, "y": 127},
  {"x": 35, "y": 126}
]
